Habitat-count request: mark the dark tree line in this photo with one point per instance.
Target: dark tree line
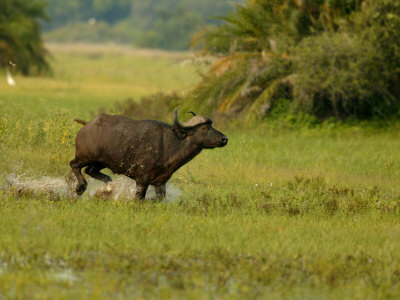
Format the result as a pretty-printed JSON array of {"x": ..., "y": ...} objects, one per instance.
[{"x": 167, "y": 24}]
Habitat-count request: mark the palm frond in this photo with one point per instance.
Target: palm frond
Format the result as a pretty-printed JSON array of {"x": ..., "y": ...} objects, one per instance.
[{"x": 263, "y": 102}]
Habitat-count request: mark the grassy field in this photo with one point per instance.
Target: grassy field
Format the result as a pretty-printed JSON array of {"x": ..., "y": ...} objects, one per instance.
[
  {"x": 88, "y": 77},
  {"x": 281, "y": 214}
]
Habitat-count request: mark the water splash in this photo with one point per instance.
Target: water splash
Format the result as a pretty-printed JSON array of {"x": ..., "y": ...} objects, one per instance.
[
  {"x": 125, "y": 188},
  {"x": 120, "y": 188}
]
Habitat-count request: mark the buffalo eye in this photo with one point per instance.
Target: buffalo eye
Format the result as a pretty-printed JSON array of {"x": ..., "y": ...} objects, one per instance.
[{"x": 204, "y": 128}]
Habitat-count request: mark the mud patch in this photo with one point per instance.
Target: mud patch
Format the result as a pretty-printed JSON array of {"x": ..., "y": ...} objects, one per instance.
[{"x": 120, "y": 188}]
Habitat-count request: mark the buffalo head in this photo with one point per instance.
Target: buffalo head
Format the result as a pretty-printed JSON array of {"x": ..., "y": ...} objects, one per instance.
[{"x": 200, "y": 131}]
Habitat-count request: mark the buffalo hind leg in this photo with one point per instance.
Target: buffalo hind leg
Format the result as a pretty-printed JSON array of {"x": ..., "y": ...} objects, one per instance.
[
  {"x": 160, "y": 191},
  {"x": 94, "y": 171},
  {"x": 76, "y": 167},
  {"x": 141, "y": 190}
]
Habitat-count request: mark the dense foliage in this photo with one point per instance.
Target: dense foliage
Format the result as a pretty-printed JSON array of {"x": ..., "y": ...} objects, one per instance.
[
  {"x": 166, "y": 24},
  {"x": 329, "y": 58},
  {"x": 20, "y": 41}
]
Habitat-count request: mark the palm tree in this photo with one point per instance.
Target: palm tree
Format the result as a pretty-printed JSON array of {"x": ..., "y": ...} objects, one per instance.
[{"x": 20, "y": 41}]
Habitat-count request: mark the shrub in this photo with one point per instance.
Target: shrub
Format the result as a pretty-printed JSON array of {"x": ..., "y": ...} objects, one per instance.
[
  {"x": 157, "y": 106},
  {"x": 341, "y": 75}
]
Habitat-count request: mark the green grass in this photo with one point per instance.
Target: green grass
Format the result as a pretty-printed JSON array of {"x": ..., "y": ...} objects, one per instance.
[
  {"x": 120, "y": 249},
  {"x": 310, "y": 213}
]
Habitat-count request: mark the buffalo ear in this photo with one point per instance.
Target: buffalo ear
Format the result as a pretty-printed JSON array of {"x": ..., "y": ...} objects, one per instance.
[{"x": 180, "y": 132}]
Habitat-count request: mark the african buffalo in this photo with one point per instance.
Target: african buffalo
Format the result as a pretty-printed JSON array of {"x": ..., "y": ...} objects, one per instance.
[{"x": 147, "y": 151}]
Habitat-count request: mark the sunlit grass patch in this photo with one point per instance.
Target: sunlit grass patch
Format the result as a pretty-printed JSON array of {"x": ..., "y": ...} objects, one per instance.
[{"x": 87, "y": 78}]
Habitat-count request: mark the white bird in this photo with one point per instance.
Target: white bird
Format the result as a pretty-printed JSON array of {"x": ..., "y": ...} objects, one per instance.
[
  {"x": 92, "y": 21},
  {"x": 10, "y": 80}
]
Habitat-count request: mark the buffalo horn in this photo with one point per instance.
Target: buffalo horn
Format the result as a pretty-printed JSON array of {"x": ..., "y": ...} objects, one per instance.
[
  {"x": 176, "y": 120},
  {"x": 192, "y": 112},
  {"x": 195, "y": 121}
]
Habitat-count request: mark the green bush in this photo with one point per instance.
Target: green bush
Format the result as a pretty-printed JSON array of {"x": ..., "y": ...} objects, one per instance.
[
  {"x": 341, "y": 75},
  {"x": 354, "y": 72},
  {"x": 157, "y": 106}
]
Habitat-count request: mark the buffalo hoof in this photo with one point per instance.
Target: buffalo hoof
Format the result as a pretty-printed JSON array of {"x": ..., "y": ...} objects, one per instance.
[{"x": 80, "y": 188}]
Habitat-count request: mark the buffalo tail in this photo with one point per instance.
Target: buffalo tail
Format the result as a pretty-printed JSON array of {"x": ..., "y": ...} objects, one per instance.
[{"x": 80, "y": 121}]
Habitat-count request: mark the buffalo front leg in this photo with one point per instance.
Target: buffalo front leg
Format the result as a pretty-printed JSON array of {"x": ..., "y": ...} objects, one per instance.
[
  {"x": 76, "y": 167},
  {"x": 160, "y": 191},
  {"x": 141, "y": 190}
]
